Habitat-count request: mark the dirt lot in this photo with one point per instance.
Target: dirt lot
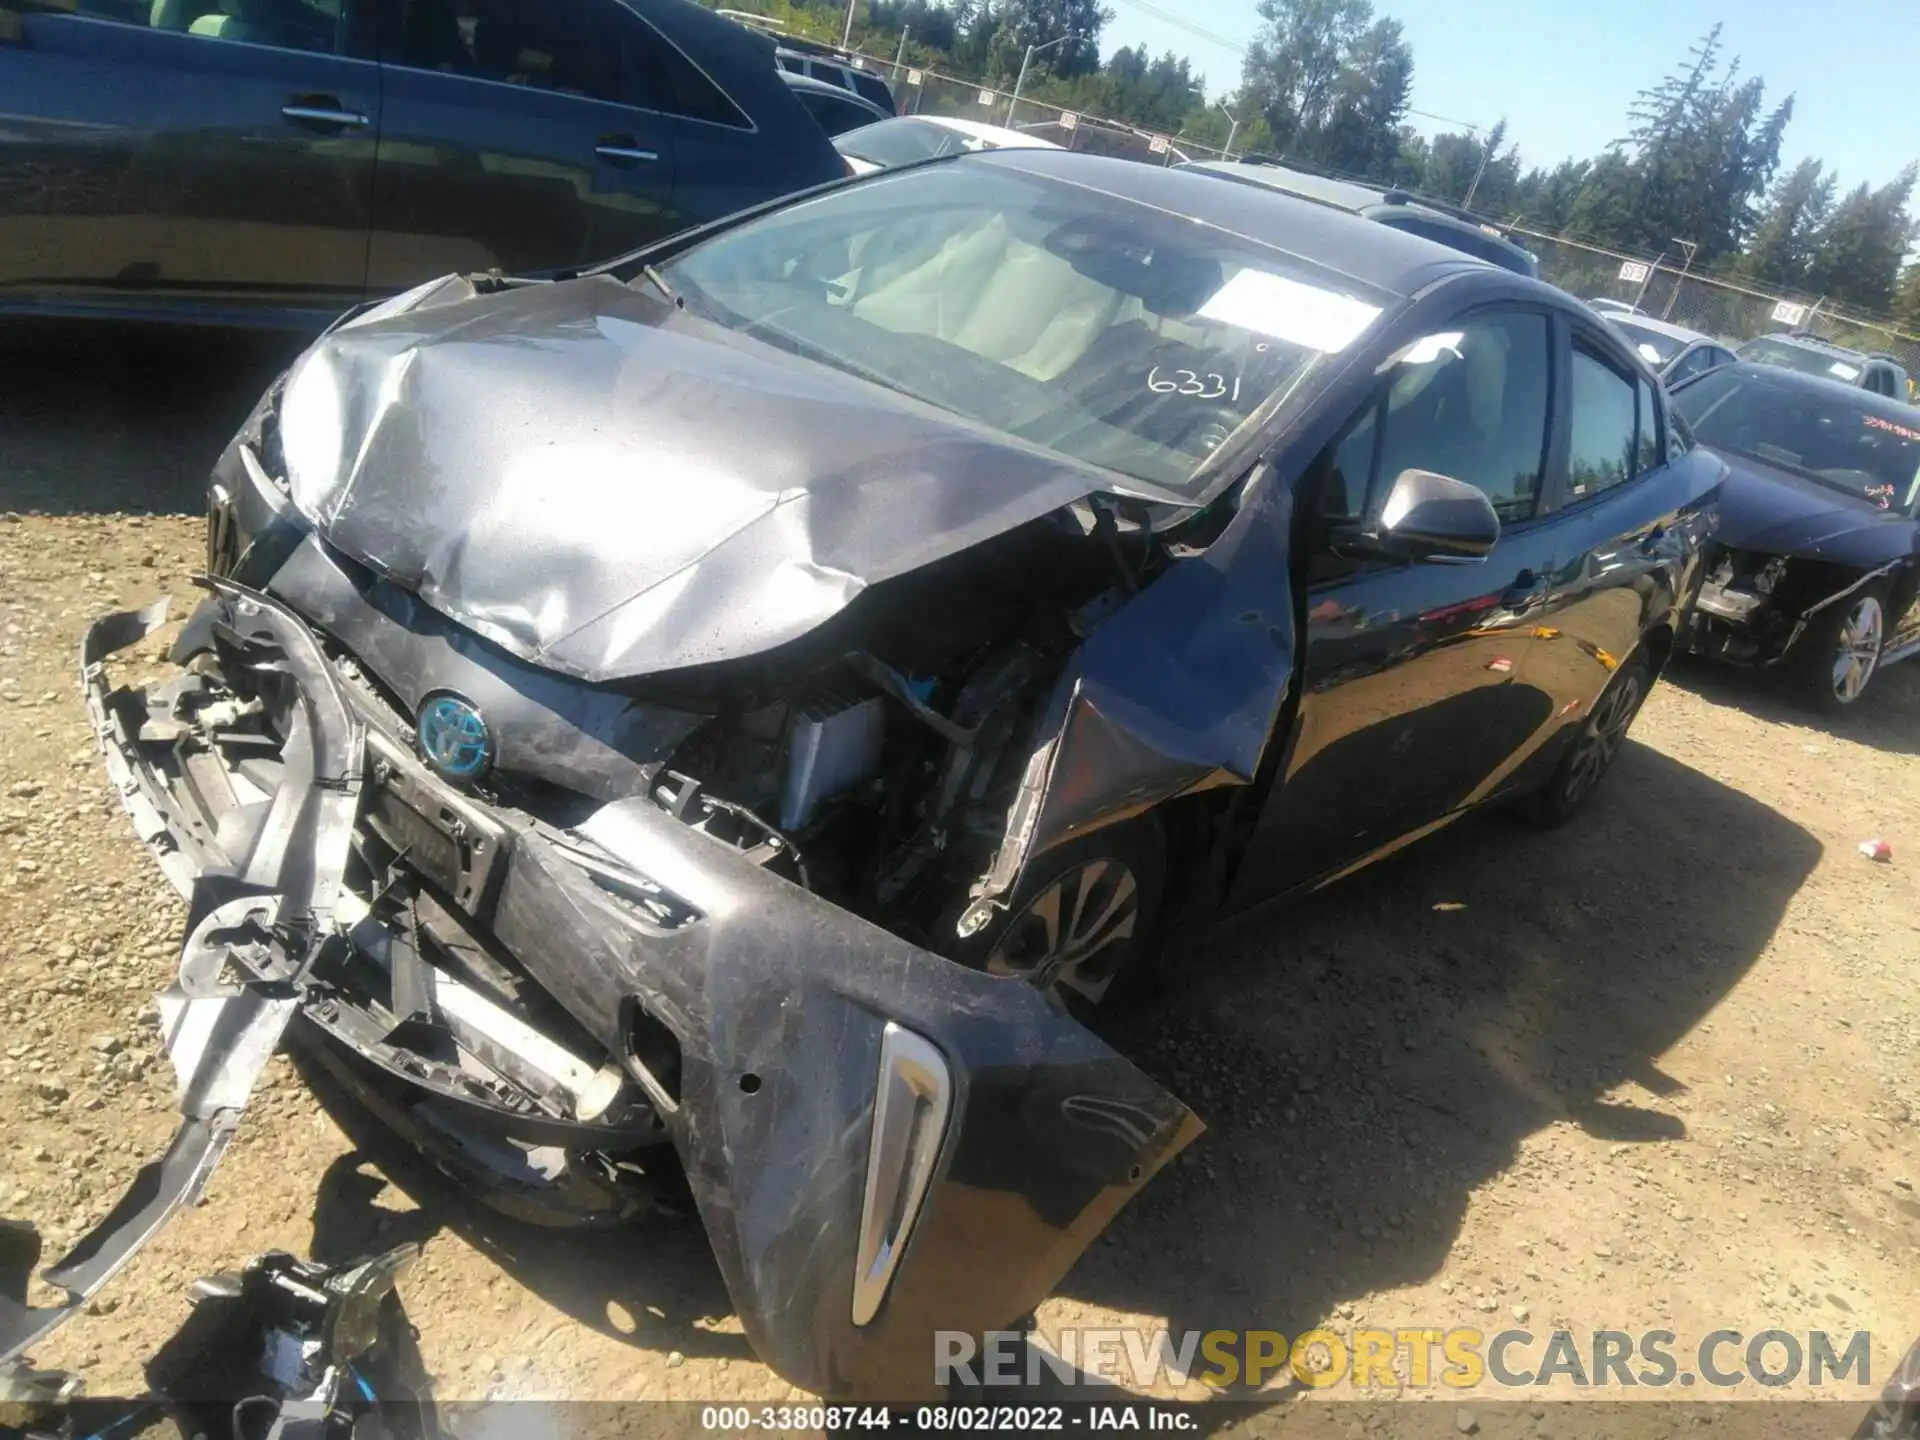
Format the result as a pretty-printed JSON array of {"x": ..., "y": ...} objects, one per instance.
[{"x": 1655, "y": 1070}]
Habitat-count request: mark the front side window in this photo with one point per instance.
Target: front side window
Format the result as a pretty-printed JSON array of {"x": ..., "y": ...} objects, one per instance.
[
  {"x": 1866, "y": 448},
  {"x": 1470, "y": 403},
  {"x": 1601, "y": 450},
  {"x": 1110, "y": 332}
]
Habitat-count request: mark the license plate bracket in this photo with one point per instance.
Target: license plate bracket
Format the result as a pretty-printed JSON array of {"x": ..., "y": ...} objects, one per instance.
[{"x": 451, "y": 842}]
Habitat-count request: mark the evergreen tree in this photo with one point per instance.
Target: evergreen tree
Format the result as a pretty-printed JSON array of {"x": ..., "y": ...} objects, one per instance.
[
  {"x": 1858, "y": 252},
  {"x": 1783, "y": 242}
]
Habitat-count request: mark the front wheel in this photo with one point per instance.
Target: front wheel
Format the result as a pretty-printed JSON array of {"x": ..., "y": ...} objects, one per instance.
[
  {"x": 1082, "y": 919},
  {"x": 1839, "y": 654},
  {"x": 1592, "y": 752}
]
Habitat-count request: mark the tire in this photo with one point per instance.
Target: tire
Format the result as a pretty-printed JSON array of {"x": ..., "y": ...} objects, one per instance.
[
  {"x": 1104, "y": 888},
  {"x": 1592, "y": 751},
  {"x": 1837, "y": 656}
]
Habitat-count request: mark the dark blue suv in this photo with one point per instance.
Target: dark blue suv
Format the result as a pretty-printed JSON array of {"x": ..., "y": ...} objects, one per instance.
[{"x": 275, "y": 161}]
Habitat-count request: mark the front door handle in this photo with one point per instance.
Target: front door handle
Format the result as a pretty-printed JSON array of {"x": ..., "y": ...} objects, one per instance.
[
  {"x": 624, "y": 151},
  {"x": 323, "y": 110},
  {"x": 1523, "y": 594}
]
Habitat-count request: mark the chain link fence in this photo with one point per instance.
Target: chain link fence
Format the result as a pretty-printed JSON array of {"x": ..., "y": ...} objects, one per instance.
[
  {"x": 926, "y": 92},
  {"x": 1711, "y": 306}
]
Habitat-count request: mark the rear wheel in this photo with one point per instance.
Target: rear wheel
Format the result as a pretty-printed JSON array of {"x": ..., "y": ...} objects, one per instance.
[
  {"x": 1839, "y": 654},
  {"x": 1592, "y": 752},
  {"x": 1082, "y": 919}
]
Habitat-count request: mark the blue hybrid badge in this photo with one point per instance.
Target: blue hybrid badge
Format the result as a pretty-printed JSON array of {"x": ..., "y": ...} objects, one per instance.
[{"x": 454, "y": 740}]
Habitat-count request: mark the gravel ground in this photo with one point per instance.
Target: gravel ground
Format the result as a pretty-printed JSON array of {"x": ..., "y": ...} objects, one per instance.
[{"x": 1654, "y": 1070}]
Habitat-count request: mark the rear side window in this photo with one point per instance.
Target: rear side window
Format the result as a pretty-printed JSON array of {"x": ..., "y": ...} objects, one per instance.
[
  {"x": 568, "y": 46},
  {"x": 1601, "y": 451},
  {"x": 664, "y": 79}
]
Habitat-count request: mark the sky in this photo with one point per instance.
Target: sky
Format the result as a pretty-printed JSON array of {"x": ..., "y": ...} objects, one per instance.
[{"x": 1564, "y": 78}]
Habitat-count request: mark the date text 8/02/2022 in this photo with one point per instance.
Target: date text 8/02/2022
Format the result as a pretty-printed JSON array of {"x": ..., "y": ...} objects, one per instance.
[
  {"x": 1381, "y": 1360},
  {"x": 944, "y": 1419}
]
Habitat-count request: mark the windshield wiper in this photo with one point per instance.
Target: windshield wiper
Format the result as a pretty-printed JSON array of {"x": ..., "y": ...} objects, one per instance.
[{"x": 658, "y": 281}]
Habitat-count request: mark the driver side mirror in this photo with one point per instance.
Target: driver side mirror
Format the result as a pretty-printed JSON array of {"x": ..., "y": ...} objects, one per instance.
[{"x": 1429, "y": 516}]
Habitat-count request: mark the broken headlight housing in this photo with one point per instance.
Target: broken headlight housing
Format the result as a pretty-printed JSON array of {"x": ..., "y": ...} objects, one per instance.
[{"x": 1769, "y": 575}]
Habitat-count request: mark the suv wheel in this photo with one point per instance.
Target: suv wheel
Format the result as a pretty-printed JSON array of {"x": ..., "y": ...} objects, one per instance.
[{"x": 1592, "y": 752}]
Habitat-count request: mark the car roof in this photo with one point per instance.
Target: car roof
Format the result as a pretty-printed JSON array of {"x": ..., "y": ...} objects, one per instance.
[
  {"x": 1813, "y": 342},
  {"x": 1886, "y": 406},
  {"x": 1378, "y": 256},
  {"x": 1660, "y": 327},
  {"x": 1347, "y": 194},
  {"x": 980, "y": 130},
  {"x": 1382, "y": 203}
]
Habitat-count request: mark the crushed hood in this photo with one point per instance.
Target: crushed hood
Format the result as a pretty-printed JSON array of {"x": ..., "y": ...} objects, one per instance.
[
  {"x": 1774, "y": 512},
  {"x": 609, "y": 486}
]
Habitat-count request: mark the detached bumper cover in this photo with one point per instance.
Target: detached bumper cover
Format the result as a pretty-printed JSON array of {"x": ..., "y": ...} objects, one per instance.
[
  {"x": 881, "y": 1144},
  {"x": 219, "y": 1035}
]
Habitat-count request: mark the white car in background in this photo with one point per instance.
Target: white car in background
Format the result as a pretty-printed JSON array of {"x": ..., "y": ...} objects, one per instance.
[
  {"x": 1675, "y": 352},
  {"x": 909, "y": 139}
]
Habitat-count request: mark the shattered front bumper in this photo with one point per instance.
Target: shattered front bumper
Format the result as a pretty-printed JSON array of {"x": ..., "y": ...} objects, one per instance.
[{"x": 881, "y": 1144}]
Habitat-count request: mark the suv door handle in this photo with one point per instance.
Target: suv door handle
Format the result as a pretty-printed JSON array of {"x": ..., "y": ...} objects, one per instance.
[
  {"x": 624, "y": 151},
  {"x": 322, "y": 110}
]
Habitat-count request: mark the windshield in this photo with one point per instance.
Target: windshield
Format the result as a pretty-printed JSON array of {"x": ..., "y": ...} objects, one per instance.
[
  {"x": 893, "y": 143},
  {"x": 1802, "y": 358},
  {"x": 1653, "y": 347},
  {"x": 1854, "y": 446},
  {"x": 1103, "y": 329}
]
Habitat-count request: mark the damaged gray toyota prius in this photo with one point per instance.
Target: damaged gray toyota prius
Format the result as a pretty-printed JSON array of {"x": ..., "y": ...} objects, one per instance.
[{"x": 720, "y": 720}]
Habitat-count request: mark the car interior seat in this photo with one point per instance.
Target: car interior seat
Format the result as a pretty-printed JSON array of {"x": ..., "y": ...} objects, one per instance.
[
  {"x": 990, "y": 292},
  {"x": 176, "y": 15}
]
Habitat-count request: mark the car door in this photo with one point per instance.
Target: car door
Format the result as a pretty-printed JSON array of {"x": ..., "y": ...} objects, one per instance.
[
  {"x": 1407, "y": 709},
  {"x": 511, "y": 140},
  {"x": 199, "y": 158},
  {"x": 1627, "y": 511}
]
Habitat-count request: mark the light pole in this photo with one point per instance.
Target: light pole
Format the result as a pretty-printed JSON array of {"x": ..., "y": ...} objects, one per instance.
[
  {"x": 1233, "y": 124},
  {"x": 1021, "y": 79},
  {"x": 846, "y": 35},
  {"x": 1486, "y": 152},
  {"x": 1686, "y": 265},
  {"x": 1647, "y": 279}
]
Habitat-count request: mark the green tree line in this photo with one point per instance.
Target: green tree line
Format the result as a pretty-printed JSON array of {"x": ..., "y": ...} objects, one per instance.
[{"x": 1329, "y": 83}]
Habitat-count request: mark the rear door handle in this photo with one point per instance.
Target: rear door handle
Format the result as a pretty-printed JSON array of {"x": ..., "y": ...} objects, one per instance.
[
  {"x": 624, "y": 151},
  {"x": 323, "y": 110}
]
